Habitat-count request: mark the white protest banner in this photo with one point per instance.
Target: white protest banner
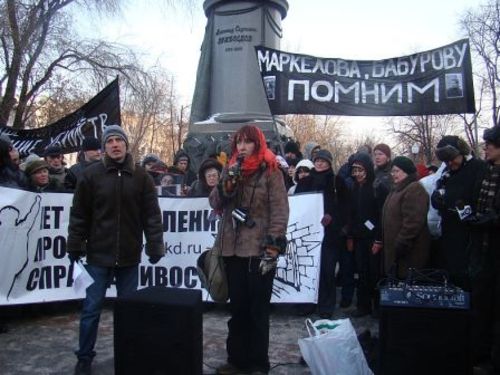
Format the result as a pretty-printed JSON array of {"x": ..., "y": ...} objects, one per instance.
[{"x": 35, "y": 267}]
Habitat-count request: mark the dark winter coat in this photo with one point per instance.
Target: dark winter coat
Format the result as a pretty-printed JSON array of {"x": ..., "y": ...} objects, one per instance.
[
  {"x": 485, "y": 244},
  {"x": 383, "y": 177},
  {"x": 113, "y": 205},
  {"x": 58, "y": 174},
  {"x": 12, "y": 177},
  {"x": 459, "y": 188},
  {"x": 406, "y": 237},
  {"x": 268, "y": 209},
  {"x": 366, "y": 203},
  {"x": 75, "y": 173}
]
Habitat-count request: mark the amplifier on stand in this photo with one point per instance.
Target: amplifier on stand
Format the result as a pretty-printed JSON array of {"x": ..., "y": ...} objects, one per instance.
[
  {"x": 158, "y": 331},
  {"x": 424, "y": 329}
]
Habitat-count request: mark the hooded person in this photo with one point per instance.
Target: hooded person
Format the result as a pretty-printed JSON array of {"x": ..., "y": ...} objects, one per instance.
[
  {"x": 310, "y": 150},
  {"x": 455, "y": 191},
  {"x": 208, "y": 177},
  {"x": 302, "y": 176},
  {"x": 364, "y": 231},
  {"x": 182, "y": 166}
]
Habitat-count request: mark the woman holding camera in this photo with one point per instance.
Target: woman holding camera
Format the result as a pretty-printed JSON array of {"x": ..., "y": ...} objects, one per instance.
[{"x": 254, "y": 205}]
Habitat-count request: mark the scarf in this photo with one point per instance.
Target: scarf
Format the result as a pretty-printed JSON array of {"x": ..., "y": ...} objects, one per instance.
[
  {"x": 485, "y": 202},
  {"x": 262, "y": 155}
]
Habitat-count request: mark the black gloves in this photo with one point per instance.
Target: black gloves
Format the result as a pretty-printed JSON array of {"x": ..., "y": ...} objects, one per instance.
[
  {"x": 482, "y": 220},
  {"x": 75, "y": 256},
  {"x": 153, "y": 259}
]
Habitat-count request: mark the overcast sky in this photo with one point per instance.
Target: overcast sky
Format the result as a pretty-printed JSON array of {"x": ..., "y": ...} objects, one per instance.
[{"x": 356, "y": 29}]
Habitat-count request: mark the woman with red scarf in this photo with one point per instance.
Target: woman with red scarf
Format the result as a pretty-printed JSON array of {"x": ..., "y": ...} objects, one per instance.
[{"x": 254, "y": 205}]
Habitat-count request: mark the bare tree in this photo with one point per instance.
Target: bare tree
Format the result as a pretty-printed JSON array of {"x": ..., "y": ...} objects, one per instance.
[
  {"x": 482, "y": 26},
  {"x": 39, "y": 43},
  {"x": 424, "y": 131}
]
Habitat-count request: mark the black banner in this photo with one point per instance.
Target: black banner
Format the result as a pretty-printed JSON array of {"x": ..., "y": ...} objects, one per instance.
[
  {"x": 89, "y": 120},
  {"x": 434, "y": 82}
]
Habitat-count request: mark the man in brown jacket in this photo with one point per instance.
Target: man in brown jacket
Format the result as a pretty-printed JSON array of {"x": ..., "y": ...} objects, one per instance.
[{"x": 114, "y": 204}]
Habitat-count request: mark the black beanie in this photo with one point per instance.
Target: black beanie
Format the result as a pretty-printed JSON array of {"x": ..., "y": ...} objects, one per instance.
[
  {"x": 405, "y": 164},
  {"x": 91, "y": 143},
  {"x": 492, "y": 135},
  {"x": 293, "y": 148}
]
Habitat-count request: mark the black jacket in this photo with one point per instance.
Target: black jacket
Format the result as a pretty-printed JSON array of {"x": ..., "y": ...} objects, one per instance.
[
  {"x": 75, "y": 173},
  {"x": 366, "y": 203},
  {"x": 113, "y": 205}
]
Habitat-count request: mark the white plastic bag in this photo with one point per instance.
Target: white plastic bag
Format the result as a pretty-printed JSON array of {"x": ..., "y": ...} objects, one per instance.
[{"x": 332, "y": 348}]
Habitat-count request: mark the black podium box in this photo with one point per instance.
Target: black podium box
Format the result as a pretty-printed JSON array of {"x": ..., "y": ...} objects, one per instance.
[
  {"x": 418, "y": 341},
  {"x": 158, "y": 330}
]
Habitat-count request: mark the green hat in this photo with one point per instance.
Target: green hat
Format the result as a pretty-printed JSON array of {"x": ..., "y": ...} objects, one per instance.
[
  {"x": 405, "y": 164},
  {"x": 35, "y": 165}
]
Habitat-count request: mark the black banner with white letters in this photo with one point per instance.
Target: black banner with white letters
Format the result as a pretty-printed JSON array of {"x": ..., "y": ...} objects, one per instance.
[
  {"x": 433, "y": 82},
  {"x": 89, "y": 120}
]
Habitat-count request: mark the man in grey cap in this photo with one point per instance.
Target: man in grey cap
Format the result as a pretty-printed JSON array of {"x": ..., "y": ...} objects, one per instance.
[
  {"x": 114, "y": 204},
  {"x": 54, "y": 157}
]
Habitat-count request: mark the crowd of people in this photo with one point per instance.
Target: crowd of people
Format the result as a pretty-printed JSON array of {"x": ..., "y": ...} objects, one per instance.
[{"x": 383, "y": 216}]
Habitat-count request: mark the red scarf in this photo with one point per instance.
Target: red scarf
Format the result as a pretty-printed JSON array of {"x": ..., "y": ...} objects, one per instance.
[{"x": 252, "y": 163}]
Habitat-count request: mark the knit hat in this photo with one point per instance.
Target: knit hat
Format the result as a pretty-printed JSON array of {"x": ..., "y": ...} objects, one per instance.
[
  {"x": 114, "y": 130},
  {"x": 325, "y": 155},
  {"x": 293, "y": 147},
  {"x": 91, "y": 143},
  {"x": 35, "y": 165},
  {"x": 450, "y": 146},
  {"x": 492, "y": 135},
  {"x": 181, "y": 155},
  {"x": 53, "y": 150},
  {"x": 405, "y": 164},
  {"x": 150, "y": 158},
  {"x": 305, "y": 163},
  {"x": 382, "y": 147}
]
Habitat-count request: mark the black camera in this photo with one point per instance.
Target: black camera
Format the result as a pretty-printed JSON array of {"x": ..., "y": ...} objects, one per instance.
[{"x": 242, "y": 216}]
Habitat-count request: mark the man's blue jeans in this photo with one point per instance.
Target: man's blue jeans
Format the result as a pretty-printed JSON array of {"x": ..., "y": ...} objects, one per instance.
[{"x": 126, "y": 282}]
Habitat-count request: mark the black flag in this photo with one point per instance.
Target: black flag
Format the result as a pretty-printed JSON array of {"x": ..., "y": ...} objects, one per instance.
[{"x": 89, "y": 120}]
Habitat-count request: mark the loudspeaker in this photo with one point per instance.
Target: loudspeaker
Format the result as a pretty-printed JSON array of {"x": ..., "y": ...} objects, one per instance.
[
  {"x": 159, "y": 330},
  {"x": 418, "y": 341}
]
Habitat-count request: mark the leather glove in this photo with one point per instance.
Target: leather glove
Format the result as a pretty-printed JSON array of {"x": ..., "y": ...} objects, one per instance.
[
  {"x": 153, "y": 259},
  {"x": 75, "y": 256},
  {"x": 326, "y": 220}
]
